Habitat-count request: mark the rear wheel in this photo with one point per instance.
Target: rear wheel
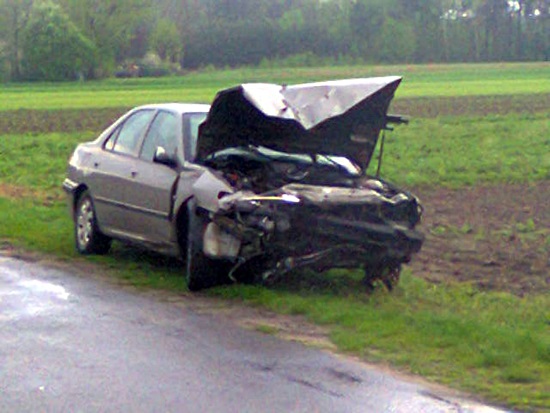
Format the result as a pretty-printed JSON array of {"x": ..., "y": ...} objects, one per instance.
[{"x": 88, "y": 237}]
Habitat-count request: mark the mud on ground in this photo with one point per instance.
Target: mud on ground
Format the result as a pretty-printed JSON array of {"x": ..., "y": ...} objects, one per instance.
[
  {"x": 96, "y": 119},
  {"x": 497, "y": 238}
]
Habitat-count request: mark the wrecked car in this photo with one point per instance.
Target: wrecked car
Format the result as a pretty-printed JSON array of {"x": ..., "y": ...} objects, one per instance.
[{"x": 266, "y": 180}]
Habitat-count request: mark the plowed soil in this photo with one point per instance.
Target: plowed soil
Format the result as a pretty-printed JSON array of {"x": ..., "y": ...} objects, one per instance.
[
  {"x": 76, "y": 120},
  {"x": 496, "y": 238}
]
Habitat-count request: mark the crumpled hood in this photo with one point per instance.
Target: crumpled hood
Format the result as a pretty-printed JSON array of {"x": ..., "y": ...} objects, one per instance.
[{"x": 341, "y": 117}]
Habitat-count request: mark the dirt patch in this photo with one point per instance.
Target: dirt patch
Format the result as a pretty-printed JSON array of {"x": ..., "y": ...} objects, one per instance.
[
  {"x": 62, "y": 121},
  {"x": 77, "y": 120},
  {"x": 477, "y": 106},
  {"x": 14, "y": 192},
  {"x": 496, "y": 237},
  {"x": 293, "y": 328},
  {"x": 22, "y": 192}
]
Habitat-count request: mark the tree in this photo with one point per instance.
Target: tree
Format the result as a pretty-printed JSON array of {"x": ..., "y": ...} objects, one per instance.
[
  {"x": 53, "y": 48},
  {"x": 424, "y": 16},
  {"x": 13, "y": 18},
  {"x": 165, "y": 41},
  {"x": 492, "y": 17},
  {"x": 197, "y": 33},
  {"x": 396, "y": 41},
  {"x": 366, "y": 20},
  {"x": 111, "y": 25}
]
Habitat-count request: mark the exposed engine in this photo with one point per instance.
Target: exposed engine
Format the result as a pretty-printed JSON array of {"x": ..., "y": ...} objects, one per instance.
[{"x": 294, "y": 210}]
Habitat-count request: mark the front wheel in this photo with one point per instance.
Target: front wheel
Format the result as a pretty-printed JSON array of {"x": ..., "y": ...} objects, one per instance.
[
  {"x": 88, "y": 237},
  {"x": 202, "y": 271},
  {"x": 386, "y": 271}
]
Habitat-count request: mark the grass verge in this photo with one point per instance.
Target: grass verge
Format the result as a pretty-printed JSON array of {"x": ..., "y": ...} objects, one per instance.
[{"x": 493, "y": 344}]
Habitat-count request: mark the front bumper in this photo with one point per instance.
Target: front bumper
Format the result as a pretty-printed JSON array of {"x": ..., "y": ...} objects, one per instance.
[
  {"x": 69, "y": 186},
  {"x": 396, "y": 242}
]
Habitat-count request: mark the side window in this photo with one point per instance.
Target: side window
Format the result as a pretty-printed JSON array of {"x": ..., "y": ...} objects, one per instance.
[
  {"x": 132, "y": 130},
  {"x": 163, "y": 132}
]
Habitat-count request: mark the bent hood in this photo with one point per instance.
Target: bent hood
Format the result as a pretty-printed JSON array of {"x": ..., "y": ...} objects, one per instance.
[{"x": 341, "y": 117}]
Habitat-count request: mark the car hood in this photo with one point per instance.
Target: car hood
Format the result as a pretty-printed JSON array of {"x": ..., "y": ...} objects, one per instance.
[{"x": 342, "y": 117}]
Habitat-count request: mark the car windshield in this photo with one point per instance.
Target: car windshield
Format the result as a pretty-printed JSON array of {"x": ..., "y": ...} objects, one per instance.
[{"x": 191, "y": 122}]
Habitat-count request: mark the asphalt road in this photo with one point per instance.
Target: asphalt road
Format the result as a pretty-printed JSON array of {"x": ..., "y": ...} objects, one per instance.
[{"x": 75, "y": 344}]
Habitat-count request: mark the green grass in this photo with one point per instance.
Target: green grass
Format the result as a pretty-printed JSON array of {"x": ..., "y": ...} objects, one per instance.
[
  {"x": 36, "y": 225},
  {"x": 37, "y": 161},
  {"x": 266, "y": 329},
  {"x": 466, "y": 151},
  {"x": 420, "y": 80}
]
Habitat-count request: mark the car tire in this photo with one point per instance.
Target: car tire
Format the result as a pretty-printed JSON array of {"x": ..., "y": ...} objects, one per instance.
[
  {"x": 88, "y": 237},
  {"x": 202, "y": 271},
  {"x": 391, "y": 277}
]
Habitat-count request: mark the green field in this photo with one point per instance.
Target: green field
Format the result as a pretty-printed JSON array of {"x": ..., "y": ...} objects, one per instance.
[
  {"x": 431, "y": 81},
  {"x": 492, "y": 343}
]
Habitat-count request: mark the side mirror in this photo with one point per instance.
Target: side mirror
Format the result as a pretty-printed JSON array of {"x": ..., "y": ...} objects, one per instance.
[{"x": 164, "y": 158}]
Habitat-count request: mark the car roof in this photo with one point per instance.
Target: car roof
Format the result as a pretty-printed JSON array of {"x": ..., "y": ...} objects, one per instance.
[{"x": 180, "y": 108}]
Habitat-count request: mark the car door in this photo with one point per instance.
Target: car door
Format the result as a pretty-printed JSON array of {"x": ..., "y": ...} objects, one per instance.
[
  {"x": 150, "y": 191},
  {"x": 111, "y": 170}
]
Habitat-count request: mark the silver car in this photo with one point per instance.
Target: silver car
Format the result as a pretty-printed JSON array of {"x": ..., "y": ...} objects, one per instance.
[{"x": 268, "y": 179}]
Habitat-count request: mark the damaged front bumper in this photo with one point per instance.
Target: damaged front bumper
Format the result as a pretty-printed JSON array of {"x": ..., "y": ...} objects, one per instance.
[{"x": 308, "y": 226}]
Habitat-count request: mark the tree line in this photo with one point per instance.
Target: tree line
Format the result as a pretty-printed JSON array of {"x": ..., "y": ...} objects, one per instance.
[{"x": 69, "y": 39}]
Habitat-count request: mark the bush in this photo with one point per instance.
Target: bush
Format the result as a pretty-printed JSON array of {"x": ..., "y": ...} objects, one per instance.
[
  {"x": 154, "y": 71},
  {"x": 53, "y": 47},
  {"x": 309, "y": 59}
]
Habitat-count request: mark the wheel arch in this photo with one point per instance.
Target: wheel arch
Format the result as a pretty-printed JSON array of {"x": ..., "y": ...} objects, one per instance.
[{"x": 182, "y": 225}]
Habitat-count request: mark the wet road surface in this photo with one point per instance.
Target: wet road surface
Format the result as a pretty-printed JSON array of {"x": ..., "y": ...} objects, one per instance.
[{"x": 75, "y": 344}]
